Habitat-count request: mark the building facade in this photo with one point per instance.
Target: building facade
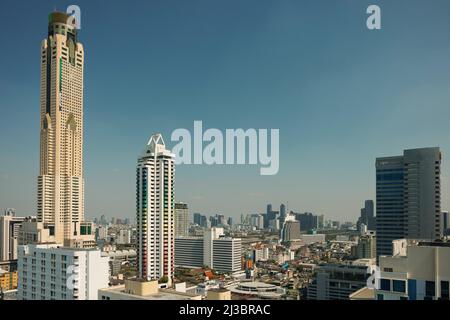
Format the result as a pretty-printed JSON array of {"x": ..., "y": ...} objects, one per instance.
[
  {"x": 408, "y": 197},
  {"x": 124, "y": 236},
  {"x": 417, "y": 270},
  {"x": 155, "y": 211},
  {"x": 8, "y": 280},
  {"x": 49, "y": 272},
  {"x": 367, "y": 246},
  {"x": 60, "y": 182},
  {"x": 213, "y": 250},
  {"x": 337, "y": 281},
  {"x": 189, "y": 252},
  {"x": 9, "y": 236},
  {"x": 227, "y": 254},
  {"x": 308, "y": 221},
  {"x": 367, "y": 217},
  {"x": 291, "y": 229},
  {"x": 181, "y": 215},
  {"x": 139, "y": 289}
]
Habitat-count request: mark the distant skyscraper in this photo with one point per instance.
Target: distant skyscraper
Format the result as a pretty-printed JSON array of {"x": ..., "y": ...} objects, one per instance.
[
  {"x": 367, "y": 216},
  {"x": 291, "y": 229},
  {"x": 214, "y": 221},
  {"x": 308, "y": 221},
  {"x": 203, "y": 221},
  {"x": 60, "y": 181},
  {"x": 282, "y": 213},
  {"x": 269, "y": 216},
  {"x": 221, "y": 219},
  {"x": 408, "y": 197},
  {"x": 181, "y": 219},
  {"x": 197, "y": 218},
  {"x": 10, "y": 212},
  {"x": 321, "y": 222},
  {"x": 257, "y": 220},
  {"x": 155, "y": 205}
]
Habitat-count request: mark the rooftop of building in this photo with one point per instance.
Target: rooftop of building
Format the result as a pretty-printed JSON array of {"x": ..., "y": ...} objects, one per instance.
[
  {"x": 118, "y": 253},
  {"x": 162, "y": 294},
  {"x": 256, "y": 285},
  {"x": 364, "y": 293},
  {"x": 218, "y": 290},
  {"x": 54, "y": 245},
  {"x": 435, "y": 243},
  {"x": 57, "y": 17}
]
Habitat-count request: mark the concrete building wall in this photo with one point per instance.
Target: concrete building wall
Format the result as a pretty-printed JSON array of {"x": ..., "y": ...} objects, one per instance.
[{"x": 49, "y": 272}]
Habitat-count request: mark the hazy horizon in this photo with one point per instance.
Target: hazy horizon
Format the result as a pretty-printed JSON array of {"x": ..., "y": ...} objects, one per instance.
[{"x": 340, "y": 95}]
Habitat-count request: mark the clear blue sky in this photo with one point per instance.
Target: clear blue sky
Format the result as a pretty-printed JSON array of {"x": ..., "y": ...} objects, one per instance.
[{"x": 340, "y": 94}]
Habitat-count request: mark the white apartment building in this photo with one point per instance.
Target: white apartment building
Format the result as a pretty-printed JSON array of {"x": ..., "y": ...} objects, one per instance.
[
  {"x": 417, "y": 270},
  {"x": 155, "y": 208},
  {"x": 124, "y": 236},
  {"x": 227, "y": 254},
  {"x": 213, "y": 250},
  {"x": 189, "y": 252},
  {"x": 101, "y": 232},
  {"x": 9, "y": 235},
  {"x": 50, "y": 272},
  {"x": 261, "y": 254}
]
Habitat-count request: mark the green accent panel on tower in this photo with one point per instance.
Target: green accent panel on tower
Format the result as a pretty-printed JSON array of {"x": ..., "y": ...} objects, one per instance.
[{"x": 60, "y": 74}]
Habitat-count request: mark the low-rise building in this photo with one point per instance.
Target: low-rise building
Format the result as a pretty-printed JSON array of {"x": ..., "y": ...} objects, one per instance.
[
  {"x": 337, "y": 281},
  {"x": 8, "y": 280},
  {"x": 218, "y": 294},
  {"x": 139, "y": 289},
  {"x": 119, "y": 258},
  {"x": 213, "y": 250},
  {"x": 417, "y": 270}
]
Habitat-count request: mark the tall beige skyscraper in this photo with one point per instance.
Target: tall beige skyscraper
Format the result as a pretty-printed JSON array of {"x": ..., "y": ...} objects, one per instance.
[{"x": 60, "y": 181}]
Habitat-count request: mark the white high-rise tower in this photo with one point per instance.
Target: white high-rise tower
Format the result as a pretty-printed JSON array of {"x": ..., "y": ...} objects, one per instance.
[{"x": 154, "y": 209}]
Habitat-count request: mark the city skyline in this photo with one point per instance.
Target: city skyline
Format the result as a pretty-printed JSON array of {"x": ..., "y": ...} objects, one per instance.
[{"x": 319, "y": 157}]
